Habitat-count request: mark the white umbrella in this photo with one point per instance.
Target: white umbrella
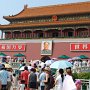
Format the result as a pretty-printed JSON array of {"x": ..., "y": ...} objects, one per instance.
[
  {"x": 76, "y": 58},
  {"x": 22, "y": 68},
  {"x": 70, "y": 59},
  {"x": 29, "y": 67},
  {"x": 49, "y": 62},
  {"x": 8, "y": 56},
  {"x": 42, "y": 64},
  {"x": 61, "y": 64},
  {"x": 35, "y": 62}
]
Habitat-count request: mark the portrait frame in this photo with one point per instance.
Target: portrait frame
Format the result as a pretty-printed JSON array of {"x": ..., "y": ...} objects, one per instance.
[{"x": 49, "y": 50}]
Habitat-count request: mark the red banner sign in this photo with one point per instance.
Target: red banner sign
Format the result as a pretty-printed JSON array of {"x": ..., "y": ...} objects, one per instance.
[
  {"x": 12, "y": 47},
  {"x": 80, "y": 47}
]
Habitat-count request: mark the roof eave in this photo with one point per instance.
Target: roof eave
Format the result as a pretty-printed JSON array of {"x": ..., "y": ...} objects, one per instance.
[
  {"x": 11, "y": 18},
  {"x": 13, "y": 26}
]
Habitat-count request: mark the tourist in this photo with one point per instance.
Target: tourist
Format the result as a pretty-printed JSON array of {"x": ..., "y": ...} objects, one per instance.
[
  {"x": 41, "y": 79},
  {"x": 78, "y": 84},
  {"x": 24, "y": 75},
  {"x": 32, "y": 80},
  {"x": 9, "y": 83},
  {"x": 0, "y": 85},
  {"x": 59, "y": 80},
  {"x": 22, "y": 85},
  {"x": 14, "y": 81},
  {"x": 4, "y": 77},
  {"x": 68, "y": 83},
  {"x": 47, "y": 78},
  {"x": 88, "y": 63}
]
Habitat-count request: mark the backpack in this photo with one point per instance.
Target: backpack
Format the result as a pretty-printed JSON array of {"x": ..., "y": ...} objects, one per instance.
[{"x": 52, "y": 81}]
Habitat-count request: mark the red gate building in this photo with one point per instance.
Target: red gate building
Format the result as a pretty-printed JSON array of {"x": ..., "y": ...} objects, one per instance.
[{"x": 66, "y": 27}]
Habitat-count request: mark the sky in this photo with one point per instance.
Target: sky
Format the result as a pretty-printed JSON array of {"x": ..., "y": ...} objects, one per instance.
[{"x": 12, "y": 7}]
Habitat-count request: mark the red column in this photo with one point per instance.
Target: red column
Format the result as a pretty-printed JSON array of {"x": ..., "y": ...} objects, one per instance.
[
  {"x": 44, "y": 34},
  {"x": 2, "y": 35},
  {"x": 24, "y": 35},
  {"x": 11, "y": 35},
  {"x": 47, "y": 35},
  {"x": 32, "y": 34},
  {"x": 21, "y": 35},
  {"x": 88, "y": 32},
  {"x": 74, "y": 33},
  {"x": 29, "y": 35},
  {"x": 61, "y": 33}
]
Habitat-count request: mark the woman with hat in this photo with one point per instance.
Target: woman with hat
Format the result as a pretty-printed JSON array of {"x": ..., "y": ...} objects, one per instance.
[{"x": 47, "y": 78}]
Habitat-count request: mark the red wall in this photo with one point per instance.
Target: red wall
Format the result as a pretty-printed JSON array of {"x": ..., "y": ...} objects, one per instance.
[{"x": 59, "y": 48}]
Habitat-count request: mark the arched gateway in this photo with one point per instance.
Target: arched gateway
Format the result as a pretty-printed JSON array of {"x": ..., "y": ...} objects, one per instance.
[{"x": 45, "y": 58}]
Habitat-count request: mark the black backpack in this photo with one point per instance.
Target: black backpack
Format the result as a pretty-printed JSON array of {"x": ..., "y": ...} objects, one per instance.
[{"x": 52, "y": 81}]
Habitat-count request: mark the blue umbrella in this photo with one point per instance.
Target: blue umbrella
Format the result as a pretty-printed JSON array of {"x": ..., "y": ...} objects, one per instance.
[{"x": 61, "y": 64}]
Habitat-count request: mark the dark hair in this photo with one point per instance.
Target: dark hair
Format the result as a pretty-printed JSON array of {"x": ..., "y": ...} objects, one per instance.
[
  {"x": 3, "y": 67},
  {"x": 25, "y": 68},
  {"x": 68, "y": 70},
  {"x": 33, "y": 69},
  {"x": 23, "y": 64},
  {"x": 43, "y": 69},
  {"x": 35, "y": 66},
  {"x": 22, "y": 81},
  {"x": 14, "y": 74},
  {"x": 61, "y": 72}
]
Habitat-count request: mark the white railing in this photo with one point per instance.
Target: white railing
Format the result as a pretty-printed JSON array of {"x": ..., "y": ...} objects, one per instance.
[
  {"x": 15, "y": 65},
  {"x": 85, "y": 84},
  {"x": 81, "y": 69}
]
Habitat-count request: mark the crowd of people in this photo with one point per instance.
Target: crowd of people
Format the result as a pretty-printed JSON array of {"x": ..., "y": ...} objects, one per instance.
[
  {"x": 81, "y": 63},
  {"x": 37, "y": 78},
  {"x": 40, "y": 77}
]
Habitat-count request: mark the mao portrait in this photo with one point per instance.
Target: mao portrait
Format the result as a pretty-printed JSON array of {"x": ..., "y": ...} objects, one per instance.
[{"x": 46, "y": 48}]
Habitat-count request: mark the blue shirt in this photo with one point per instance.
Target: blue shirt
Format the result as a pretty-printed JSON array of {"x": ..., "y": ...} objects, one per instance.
[
  {"x": 4, "y": 76},
  {"x": 42, "y": 78}
]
